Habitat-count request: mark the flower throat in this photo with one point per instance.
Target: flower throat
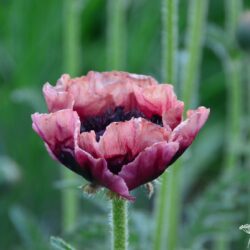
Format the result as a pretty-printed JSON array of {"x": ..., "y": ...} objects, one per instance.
[{"x": 100, "y": 122}]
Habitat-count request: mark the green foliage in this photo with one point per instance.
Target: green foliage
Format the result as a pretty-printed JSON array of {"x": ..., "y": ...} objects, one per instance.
[
  {"x": 9, "y": 171},
  {"x": 28, "y": 229},
  {"x": 59, "y": 244},
  {"x": 32, "y": 52},
  {"x": 224, "y": 201}
]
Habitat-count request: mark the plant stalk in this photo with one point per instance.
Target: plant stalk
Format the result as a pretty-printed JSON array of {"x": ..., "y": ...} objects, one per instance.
[
  {"x": 248, "y": 121},
  {"x": 169, "y": 206},
  {"x": 71, "y": 62},
  {"x": 169, "y": 69},
  {"x": 116, "y": 34},
  {"x": 116, "y": 51},
  {"x": 233, "y": 72},
  {"x": 119, "y": 226},
  {"x": 195, "y": 36}
]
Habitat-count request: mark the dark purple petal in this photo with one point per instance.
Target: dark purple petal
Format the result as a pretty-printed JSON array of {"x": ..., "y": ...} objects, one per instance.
[
  {"x": 101, "y": 173},
  {"x": 59, "y": 131},
  {"x": 149, "y": 164}
]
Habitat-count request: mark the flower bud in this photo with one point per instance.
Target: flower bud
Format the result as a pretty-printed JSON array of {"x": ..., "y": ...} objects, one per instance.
[{"x": 243, "y": 31}]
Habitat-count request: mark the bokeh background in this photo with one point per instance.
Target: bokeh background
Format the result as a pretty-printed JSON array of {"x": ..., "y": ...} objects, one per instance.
[{"x": 36, "y": 40}]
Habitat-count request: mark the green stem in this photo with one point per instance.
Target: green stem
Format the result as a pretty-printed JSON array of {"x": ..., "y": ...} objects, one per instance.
[
  {"x": 169, "y": 69},
  {"x": 248, "y": 117},
  {"x": 233, "y": 72},
  {"x": 119, "y": 226},
  {"x": 234, "y": 76},
  {"x": 169, "y": 204},
  {"x": 160, "y": 230},
  {"x": 195, "y": 35},
  {"x": 233, "y": 9},
  {"x": 169, "y": 40},
  {"x": 70, "y": 50},
  {"x": 168, "y": 209},
  {"x": 116, "y": 61},
  {"x": 116, "y": 34}
]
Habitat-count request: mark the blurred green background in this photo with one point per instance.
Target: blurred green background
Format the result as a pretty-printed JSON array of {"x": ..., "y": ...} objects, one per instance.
[{"x": 33, "y": 51}]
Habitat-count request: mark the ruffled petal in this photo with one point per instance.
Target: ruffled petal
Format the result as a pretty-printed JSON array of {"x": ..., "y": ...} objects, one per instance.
[
  {"x": 57, "y": 129},
  {"x": 87, "y": 142},
  {"x": 105, "y": 79},
  {"x": 101, "y": 174},
  {"x": 160, "y": 100},
  {"x": 96, "y": 92},
  {"x": 56, "y": 98},
  {"x": 149, "y": 164},
  {"x": 130, "y": 138},
  {"x": 186, "y": 132}
]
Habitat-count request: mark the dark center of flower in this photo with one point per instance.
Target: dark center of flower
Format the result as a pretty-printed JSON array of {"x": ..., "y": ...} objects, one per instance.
[
  {"x": 67, "y": 159},
  {"x": 119, "y": 114},
  {"x": 100, "y": 122}
]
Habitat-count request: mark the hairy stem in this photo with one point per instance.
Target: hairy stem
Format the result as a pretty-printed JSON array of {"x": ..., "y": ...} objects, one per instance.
[
  {"x": 116, "y": 34},
  {"x": 233, "y": 71},
  {"x": 116, "y": 61},
  {"x": 169, "y": 204},
  {"x": 195, "y": 35},
  {"x": 119, "y": 224},
  {"x": 233, "y": 10},
  {"x": 248, "y": 128},
  {"x": 169, "y": 69},
  {"x": 169, "y": 40}
]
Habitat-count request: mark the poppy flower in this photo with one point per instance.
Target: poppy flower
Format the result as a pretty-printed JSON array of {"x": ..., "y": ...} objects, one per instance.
[{"x": 115, "y": 129}]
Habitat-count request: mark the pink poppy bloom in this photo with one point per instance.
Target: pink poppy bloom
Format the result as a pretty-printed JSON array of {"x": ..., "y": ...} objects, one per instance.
[{"x": 115, "y": 129}]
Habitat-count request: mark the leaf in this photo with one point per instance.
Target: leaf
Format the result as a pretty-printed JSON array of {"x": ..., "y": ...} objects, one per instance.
[
  {"x": 9, "y": 171},
  {"x": 218, "y": 206},
  {"x": 59, "y": 244},
  {"x": 216, "y": 39},
  {"x": 28, "y": 229},
  {"x": 28, "y": 96}
]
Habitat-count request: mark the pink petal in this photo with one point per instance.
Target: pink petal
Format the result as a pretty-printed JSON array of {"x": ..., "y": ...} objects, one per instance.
[
  {"x": 57, "y": 129},
  {"x": 56, "y": 98},
  {"x": 117, "y": 77},
  {"x": 105, "y": 90},
  {"x": 87, "y": 142},
  {"x": 101, "y": 174},
  {"x": 160, "y": 100},
  {"x": 60, "y": 132},
  {"x": 96, "y": 92},
  {"x": 186, "y": 132},
  {"x": 149, "y": 164},
  {"x": 130, "y": 138}
]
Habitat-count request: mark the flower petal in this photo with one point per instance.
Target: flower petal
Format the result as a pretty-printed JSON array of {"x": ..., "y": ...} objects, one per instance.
[
  {"x": 101, "y": 174},
  {"x": 87, "y": 142},
  {"x": 160, "y": 100},
  {"x": 149, "y": 164},
  {"x": 186, "y": 132},
  {"x": 96, "y": 92},
  {"x": 59, "y": 131},
  {"x": 56, "y": 98},
  {"x": 130, "y": 138},
  {"x": 106, "y": 90}
]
